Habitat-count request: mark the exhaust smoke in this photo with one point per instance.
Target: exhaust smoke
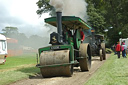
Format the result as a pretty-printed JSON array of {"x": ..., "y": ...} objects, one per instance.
[{"x": 71, "y": 7}]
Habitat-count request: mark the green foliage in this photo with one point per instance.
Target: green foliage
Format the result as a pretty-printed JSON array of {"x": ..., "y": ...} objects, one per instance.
[
  {"x": 115, "y": 15},
  {"x": 43, "y": 7},
  {"x": 95, "y": 18}
]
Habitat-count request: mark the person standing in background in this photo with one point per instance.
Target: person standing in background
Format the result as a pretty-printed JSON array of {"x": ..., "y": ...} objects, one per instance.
[
  {"x": 118, "y": 49},
  {"x": 125, "y": 50},
  {"x": 122, "y": 49},
  {"x": 114, "y": 49}
]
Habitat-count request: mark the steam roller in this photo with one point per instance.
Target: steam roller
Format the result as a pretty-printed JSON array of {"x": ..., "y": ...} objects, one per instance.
[
  {"x": 97, "y": 44},
  {"x": 66, "y": 49}
]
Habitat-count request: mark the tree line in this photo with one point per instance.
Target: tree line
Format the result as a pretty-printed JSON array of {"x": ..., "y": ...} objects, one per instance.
[{"x": 33, "y": 41}]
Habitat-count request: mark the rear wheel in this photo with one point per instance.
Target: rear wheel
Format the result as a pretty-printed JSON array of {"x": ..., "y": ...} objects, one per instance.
[
  {"x": 104, "y": 52},
  {"x": 85, "y": 53},
  {"x": 101, "y": 55},
  {"x": 57, "y": 71}
]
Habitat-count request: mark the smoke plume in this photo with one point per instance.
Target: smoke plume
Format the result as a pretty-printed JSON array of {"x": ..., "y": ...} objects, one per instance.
[{"x": 71, "y": 7}]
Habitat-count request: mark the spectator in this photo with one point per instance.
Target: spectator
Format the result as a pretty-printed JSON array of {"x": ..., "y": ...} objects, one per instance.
[
  {"x": 122, "y": 49},
  {"x": 118, "y": 49},
  {"x": 125, "y": 49},
  {"x": 114, "y": 49}
]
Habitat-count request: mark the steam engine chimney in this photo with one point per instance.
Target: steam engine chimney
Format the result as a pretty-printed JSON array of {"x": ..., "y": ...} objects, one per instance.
[{"x": 59, "y": 24}]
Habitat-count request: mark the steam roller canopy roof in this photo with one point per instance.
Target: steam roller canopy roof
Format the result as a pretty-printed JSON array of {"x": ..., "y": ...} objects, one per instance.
[{"x": 71, "y": 22}]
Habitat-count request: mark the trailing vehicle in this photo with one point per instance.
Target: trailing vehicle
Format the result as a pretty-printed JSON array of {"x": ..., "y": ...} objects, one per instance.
[{"x": 97, "y": 44}]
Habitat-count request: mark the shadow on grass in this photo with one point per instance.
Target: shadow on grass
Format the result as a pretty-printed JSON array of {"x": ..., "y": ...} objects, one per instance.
[
  {"x": 32, "y": 72},
  {"x": 36, "y": 76},
  {"x": 123, "y": 76}
]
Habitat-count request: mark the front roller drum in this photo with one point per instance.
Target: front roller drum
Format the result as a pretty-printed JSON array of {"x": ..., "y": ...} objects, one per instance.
[
  {"x": 85, "y": 52},
  {"x": 57, "y": 71},
  {"x": 56, "y": 63}
]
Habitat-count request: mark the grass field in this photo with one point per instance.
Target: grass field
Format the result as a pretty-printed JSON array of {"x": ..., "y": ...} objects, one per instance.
[
  {"x": 16, "y": 61},
  {"x": 17, "y": 68},
  {"x": 113, "y": 72}
]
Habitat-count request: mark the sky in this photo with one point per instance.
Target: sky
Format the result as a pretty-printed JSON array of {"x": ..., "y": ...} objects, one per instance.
[{"x": 22, "y": 14}]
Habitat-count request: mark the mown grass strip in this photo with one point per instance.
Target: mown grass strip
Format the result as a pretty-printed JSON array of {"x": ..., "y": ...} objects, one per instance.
[{"x": 113, "y": 72}]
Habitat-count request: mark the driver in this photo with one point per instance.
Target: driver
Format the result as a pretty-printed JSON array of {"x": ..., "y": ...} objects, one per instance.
[{"x": 82, "y": 35}]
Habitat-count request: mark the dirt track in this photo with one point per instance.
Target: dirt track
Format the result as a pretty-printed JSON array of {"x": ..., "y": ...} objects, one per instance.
[{"x": 78, "y": 77}]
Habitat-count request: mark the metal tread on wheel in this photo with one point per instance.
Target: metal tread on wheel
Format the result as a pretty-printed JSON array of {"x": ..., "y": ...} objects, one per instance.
[
  {"x": 85, "y": 54},
  {"x": 103, "y": 51}
]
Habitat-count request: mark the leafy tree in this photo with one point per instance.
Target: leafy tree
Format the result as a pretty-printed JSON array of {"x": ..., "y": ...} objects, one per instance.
[
  {"x": 10, "y": 30},
  {"x": 115, "y": 15},
  {"x": 44, "y": 7},
  {"x": 96, "y": 20}
]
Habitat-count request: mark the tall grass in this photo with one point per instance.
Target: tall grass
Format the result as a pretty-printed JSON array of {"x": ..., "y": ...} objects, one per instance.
[{"x": 113, "y": 72}]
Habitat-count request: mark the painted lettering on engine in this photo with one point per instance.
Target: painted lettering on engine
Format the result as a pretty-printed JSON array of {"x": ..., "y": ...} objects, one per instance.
[{"x": 55, "y": 47}]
